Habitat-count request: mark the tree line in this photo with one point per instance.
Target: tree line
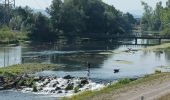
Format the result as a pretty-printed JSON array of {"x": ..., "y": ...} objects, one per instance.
[
  {"x": 157, "y": 19},
  {"x": 68, "y": 18}
]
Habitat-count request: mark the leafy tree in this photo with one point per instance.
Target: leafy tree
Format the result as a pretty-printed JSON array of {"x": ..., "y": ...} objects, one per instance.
[
  {"x": 157, "y": 19},
  {"x": 41, "y": 30},
  {"x": 94, "y": 17}
]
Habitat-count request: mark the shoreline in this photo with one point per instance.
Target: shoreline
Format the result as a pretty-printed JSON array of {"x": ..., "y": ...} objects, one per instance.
[
  {"x": 155, "y": 85},
  {"x": 94, "y": 94},
  {"x": 120, "y": 84}
]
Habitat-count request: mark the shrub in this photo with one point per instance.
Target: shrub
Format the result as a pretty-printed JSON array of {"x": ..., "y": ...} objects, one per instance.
[
  {"x": 34, "y": 88},
  {"x": 157, "y": 71},
  {"x": 21, "y": 82},
  {"x": 76, "y": 89},
  {"x": 69, "y": 87},
  {"x": 124, "y": 81}
]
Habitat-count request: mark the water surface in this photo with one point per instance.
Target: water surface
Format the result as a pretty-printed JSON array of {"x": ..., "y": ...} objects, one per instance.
[{"x": 102, "y": 56}]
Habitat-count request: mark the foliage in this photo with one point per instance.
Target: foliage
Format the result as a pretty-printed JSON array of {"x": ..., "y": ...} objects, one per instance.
[
  {"x": 69, "y": 18},
  {"x": 157, "y": 71},
  {"x": 76, "y": 89},
  {"x": 69, "y": 87},
  {"x": 124, "y": 81},
  {"x": 81, "y": 17},
  {"x": 41, "y": 30},
  {"x": 29, "y": 81},
  {"x": 157, "y": 19},
  {"x": 7, "y": 35},
  {"x": 34, "y": 88}
]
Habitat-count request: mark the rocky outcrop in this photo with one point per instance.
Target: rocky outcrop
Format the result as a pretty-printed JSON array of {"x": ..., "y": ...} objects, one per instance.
[{"x": 48, "y": 85}]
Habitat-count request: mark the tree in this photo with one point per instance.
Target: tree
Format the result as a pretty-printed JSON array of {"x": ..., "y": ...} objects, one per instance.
[
  {"x": 94, "y": 17},
  {"x": 41, "y": 30},
  {"x": 146, "y": 21},
  {"x": 157, "y": 19},
  {"x": 54, "y": 10}
]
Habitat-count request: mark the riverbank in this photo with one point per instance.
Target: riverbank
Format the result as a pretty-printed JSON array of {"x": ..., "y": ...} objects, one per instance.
[
  {"x": 133, "y": 89},
  {"x": 12, "y": 37},
  {"x": 150, "y": 87},
  {"x": 28, "y": 68},
  {"x": 22, "y": 78},
  {"x": 16, "y": 75}
]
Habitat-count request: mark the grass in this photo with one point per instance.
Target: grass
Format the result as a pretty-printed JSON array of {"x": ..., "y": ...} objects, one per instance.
[
  {"x": 165, "y": 97},
  {"x": 27, "y": 68},
  {"x": 157, "y": 71},
  {"x": 123, "y": 83},
  {"x": 8, "y": 36},
  {"x": 157, "y": 47}
]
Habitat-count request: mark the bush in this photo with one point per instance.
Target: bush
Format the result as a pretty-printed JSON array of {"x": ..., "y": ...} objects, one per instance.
[
  {"x": 157, "y": 71},
  {"x": 69, "y": 87},
  {"x": 124, "y": 81},
  {"x": 76, "y": 89},
  {"x": 21, "y": 82},
  {"x": 166, "y": 31},
  {"x": 34, "y": 88}
]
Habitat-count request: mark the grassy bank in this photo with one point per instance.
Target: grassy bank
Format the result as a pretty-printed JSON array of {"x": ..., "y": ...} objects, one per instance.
[
  {"x": 11, "y": 36},
  {"x": 157, "y": 47},
  {"x": 28, "y": 68},
  {"x": 119, "y": 87},
  {"x": 165, "y": 97}
]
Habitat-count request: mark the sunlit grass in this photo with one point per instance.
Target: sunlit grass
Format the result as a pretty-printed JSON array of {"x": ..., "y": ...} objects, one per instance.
[
  {"x": 165, "y": 97},
  {"x": 11, "y": 36},
  {"x": 27, "y": 68},
  {"x": 162, "y": 46}
]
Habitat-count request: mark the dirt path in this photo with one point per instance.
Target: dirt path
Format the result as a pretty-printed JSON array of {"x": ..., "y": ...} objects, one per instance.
[{"x": 151, "y": 90}]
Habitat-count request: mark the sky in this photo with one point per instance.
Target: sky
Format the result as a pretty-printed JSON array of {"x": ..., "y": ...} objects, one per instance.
[{"x": 132, "y": 6}]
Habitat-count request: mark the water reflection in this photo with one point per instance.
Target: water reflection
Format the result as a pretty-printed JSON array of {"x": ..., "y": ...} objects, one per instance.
[
  {"x": 100, "y": 55},
  {"x": 10, "y": 56}
]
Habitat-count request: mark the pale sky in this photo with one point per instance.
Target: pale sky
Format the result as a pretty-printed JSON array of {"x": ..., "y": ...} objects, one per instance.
[{"x": 133, "y": 6}]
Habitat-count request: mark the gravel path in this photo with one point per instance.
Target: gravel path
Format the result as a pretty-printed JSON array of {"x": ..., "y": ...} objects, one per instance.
[{"x": 149, "y": 90}]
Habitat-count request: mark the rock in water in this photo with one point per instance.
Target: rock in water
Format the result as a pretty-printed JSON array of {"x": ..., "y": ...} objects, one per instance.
[
  {"x": 38, "y": 78},
  {"x": 60, "y": 92},
  {"x": 69, "y": 87},
  {"x": 68, "y": 77},
  {"x": 57, "y": 88},
  {"x": 84, "y": 81},
  {"x": 1, "y": 88}
]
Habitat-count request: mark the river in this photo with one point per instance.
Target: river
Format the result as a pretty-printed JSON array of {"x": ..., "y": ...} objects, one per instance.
[{"x": 103, "y": 57}]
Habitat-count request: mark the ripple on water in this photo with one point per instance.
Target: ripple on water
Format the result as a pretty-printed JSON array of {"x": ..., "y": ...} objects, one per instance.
[{"x": 14, "y": 95}]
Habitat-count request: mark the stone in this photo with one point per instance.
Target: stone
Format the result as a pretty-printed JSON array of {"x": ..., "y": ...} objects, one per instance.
[
  {"x": 46, "y": 81},
  {"x": 116, "y": 70},
  {"x": 57, "y": 88},
  {"x": 60, "y": 92},
  {"x": 68, "y": 77},
  {"x": 1, "y": 79},
  {"x": 69, "y": 87},
  {"x": 38, "y": 78},
  {"x": 1, "y": 88},
  {"x": 84, "y": 81},
  {"x": 52, "y": 91}
]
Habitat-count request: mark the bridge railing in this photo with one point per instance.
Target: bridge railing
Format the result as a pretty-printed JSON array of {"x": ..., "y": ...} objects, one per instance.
[{"x": 120, "y": 36}]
